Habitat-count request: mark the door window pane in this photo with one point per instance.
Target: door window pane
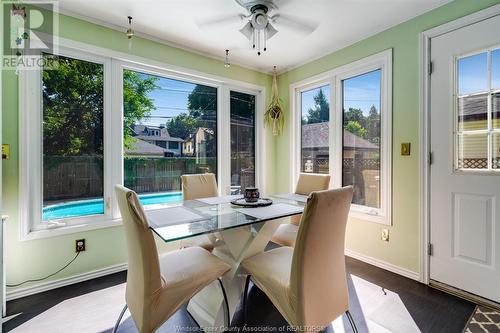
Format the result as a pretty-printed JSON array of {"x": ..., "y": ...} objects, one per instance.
[
  {"x": 473, "y": 74},
  {"x": 315, "y": 110},
  {"x": 361, "y": 141},
  {"x": 495, "y": 110},
  {"x": 496, "y": 151},
  {"x": 170, "y": 129},
  {"x": 73, "y": 105},
  {"x": 473, "y": 112},
  {"x": 242, "y": 141},
  {"x": 495, "y": 69},
  {"x": 473, "y": 151}
]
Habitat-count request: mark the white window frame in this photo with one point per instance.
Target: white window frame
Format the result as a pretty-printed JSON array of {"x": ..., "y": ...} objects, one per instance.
[
  {"x": 30, "y": 135},
  {"x": 381, "y": 61}
]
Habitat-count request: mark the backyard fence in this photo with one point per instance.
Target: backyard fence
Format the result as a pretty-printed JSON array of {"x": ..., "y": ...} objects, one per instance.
[{"x": 80, "y": 177}]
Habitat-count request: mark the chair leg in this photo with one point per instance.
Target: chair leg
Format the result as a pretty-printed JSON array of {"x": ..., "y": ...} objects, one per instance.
[
  {"x": 119, "y": 319},
  {"x": 225, "y": 302},
  {"x": 351, "y": 321},
  {"x": 245, "y": 296}
]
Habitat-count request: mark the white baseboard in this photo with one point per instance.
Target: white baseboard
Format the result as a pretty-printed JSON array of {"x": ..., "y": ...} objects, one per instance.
[
  {"x": 18, "y": 292},
  {"x": 13, "y": 293},
  {"x": 383, "y": 264}
]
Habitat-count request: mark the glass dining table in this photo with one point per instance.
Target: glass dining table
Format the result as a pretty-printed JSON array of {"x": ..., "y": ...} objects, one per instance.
[{"x": 239, "y": 233}]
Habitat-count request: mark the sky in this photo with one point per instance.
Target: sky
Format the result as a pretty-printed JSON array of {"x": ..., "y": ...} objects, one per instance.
[
  {"x": 473, "y": 73},
  {"x": 359, "y": 92},
  {"x": 170, "y": 100}
]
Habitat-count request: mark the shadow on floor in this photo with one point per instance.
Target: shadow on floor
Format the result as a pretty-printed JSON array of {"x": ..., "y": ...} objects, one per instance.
[{"x": 380, "y": 301}]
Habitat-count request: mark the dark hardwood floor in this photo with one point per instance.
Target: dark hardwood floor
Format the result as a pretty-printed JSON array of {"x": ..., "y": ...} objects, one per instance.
[{"x": 409, "y": 302}]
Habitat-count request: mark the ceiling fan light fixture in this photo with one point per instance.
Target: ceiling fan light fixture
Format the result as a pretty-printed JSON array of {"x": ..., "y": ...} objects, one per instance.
[{"x": 248, "y": 31}]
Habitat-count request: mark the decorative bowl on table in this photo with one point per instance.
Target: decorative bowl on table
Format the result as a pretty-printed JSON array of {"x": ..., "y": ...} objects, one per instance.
[{"x": 261, "y": 202}]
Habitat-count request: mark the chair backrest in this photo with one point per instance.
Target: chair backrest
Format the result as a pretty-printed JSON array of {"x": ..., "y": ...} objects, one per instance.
[
  {"x": 309, "y": 182},
  {"x": 199, "y": 186},
  {"x": 143, "y": 276},
  {"x": 318, "y": 277}
]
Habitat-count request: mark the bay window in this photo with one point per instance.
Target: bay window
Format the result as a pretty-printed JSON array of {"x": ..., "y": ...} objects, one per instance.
[
  {"x": 92, "y": 119},
  {"x": 342, "y": 127}
]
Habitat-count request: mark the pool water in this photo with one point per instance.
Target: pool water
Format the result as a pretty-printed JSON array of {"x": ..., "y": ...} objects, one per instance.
[{"x": 96, "y": 206}]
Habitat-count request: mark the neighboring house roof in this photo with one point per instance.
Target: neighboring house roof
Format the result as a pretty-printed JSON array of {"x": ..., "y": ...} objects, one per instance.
[
  {"x": 316, "y": 136},
  {"x": 140, "y": 147},
  {"x": 158, "y": 138},
  {"x": 473, "y": 107}
]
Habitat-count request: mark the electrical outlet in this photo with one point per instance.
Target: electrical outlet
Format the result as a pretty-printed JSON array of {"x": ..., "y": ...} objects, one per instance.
[
  {"x": 385, "y": 235},
  {"x": 80, "y": 245}
]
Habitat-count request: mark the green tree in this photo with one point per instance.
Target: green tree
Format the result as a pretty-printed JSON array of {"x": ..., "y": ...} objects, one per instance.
[
  {"x": 373, "y": 125},
  {"x": 136, "y": 102},
  {"x": 355, "y": 128},
  {"x": 182, "y": 125},
  {"x": 320, "y": 112},
  {"x": 202, "y": 112},
  {"x": 73, "y": 104},
  {"x": 356, "y": 115}
]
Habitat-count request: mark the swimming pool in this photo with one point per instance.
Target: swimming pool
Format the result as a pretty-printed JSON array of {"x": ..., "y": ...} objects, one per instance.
[{"x": 96, "y": 206}]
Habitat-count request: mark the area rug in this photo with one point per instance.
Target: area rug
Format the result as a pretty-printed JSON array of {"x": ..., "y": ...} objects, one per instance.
[{"x": 483, "y": 320}]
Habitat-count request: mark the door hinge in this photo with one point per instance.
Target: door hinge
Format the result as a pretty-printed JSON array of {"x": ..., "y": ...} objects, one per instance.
[
  {"x": 431, "y": 158},
  {"x": 431, "y": 67},
  {"x": 430, "y": 249}
]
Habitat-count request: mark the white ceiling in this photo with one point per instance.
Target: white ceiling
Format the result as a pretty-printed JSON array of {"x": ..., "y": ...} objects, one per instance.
[{"x": 340, "y": 23}]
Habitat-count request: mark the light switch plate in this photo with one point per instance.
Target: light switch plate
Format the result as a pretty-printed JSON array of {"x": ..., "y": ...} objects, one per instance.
[
  {"x": 5, "y": 152},
  {"x": 405, "y": 149}
]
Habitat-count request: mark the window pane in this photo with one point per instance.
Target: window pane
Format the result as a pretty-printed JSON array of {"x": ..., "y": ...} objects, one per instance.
[
  {"x": 495, "y": 110},
  {"x": 495, "y": 69},
  {"x": 315, "y": 130},
  {"x": 473, "y": 112},
  {"x": 170, "y": 129},
  {"x": 242, "y": 141},
  {"x": 496, "y": 151},
  {"x": 473, "y": 74},
  {"x": 73, "y": 104},
  {"x": 473, "y": 151},
  {"x": 361, "y": 146}
]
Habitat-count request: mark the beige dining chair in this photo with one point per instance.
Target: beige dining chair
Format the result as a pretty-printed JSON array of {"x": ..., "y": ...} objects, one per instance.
[
  {"x": 308, "y": 284},
  {"x": 157, "y": 286},
  {"x": 198, "y": 186},
  {"x": 286, "y": 234}
]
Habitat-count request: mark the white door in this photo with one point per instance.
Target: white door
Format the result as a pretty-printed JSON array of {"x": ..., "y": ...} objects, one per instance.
[{"x": 465, "y": 146}]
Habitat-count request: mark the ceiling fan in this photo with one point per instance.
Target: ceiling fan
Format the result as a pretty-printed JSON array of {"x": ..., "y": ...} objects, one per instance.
[{"x": 261, "y": 24}]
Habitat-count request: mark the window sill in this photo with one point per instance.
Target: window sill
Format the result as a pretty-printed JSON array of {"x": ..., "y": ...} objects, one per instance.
[
  {"x": 69, "y": 229},
  {"x": 363, "y": 216}
]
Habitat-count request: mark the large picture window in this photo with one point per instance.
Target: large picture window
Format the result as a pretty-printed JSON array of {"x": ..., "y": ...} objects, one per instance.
[
  {"x": 361, "y": 137},
  {"x": 242, "y": 109},
  {"x": 169, "y": 130},
  {"x": 315, "y": 129},
  {"x": 91, "y": 120},
  {"x": 343, "y": 128},
  {"x": 73, "y": 146}
]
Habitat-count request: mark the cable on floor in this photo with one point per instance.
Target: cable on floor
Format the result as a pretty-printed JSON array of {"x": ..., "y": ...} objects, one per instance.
[{"x": 46, "y": 277}]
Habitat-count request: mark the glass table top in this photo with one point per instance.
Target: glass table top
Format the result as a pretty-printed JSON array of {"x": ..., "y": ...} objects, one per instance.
[{"x": 193, "y": 218}]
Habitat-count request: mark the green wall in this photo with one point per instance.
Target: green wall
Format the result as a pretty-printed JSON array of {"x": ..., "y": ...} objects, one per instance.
[
  {"x": 364, "y": 237},
  {"x": 105, "y": 247}
]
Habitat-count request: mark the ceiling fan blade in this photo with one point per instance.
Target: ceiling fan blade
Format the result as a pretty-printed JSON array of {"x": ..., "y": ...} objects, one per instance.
[
  {"x": 218, "y": 21},
  {"x": 270, "y": 31},
  {"x": 294, "y": 23},
  {"x": 247, "y": 30}
]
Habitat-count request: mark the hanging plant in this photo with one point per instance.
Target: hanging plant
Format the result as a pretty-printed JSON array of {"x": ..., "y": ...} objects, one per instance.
[{"x": 274, "y": 115}]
